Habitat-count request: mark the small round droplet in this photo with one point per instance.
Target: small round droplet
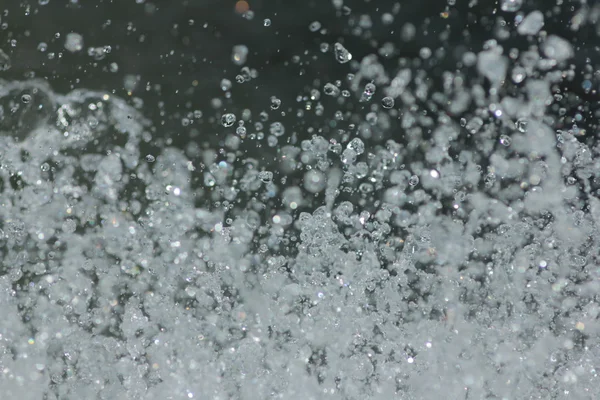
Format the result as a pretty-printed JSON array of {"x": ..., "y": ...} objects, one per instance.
[
  {"x": 314, "y": 181},
  {"x": 331, "y": 90},
  {"x": 150, "y": 158},
  {"x": 387, "y": 102},
  {"x": 225, "y": 84},
  {"x": 239, "y": 54},
  {"x": 521, "y": 125},
  {"x": 342, "y": 55},
  {"x": 265, "y": 176},
  {"x": 277, "y": 129},
  {"x": 267, "y": 22},
  {"x": 511, "y": 5},
  {"x": 275, "y": 103},
  {"x": 505, "y": 140},
  {"x": 228, "y": 120},
  {"x": 74, "y": 42},
  {"x": 413, "y": 180},
  {"x": 314, "y": 26},
  {"x": 26, "y": 98}
]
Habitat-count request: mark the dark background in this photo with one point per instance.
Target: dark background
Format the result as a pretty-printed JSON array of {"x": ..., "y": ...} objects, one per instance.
[{"x": 172, "y": 43}]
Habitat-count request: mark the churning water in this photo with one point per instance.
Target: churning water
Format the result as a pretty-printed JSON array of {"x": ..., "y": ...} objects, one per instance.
[{"x": 433, "y": 233}]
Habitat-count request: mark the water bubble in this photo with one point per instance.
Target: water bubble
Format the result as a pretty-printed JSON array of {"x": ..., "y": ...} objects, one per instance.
[
  {"x": 74, "y": 42},
  {"x": 368, "y": 92},
  {"x": 228, "y": 120},
  {"x": 275, "y": 103},
  {"x": 314, "y": 26},
  {"x": 150, "y": 158},
  {"x": 4, "y": 61},
  {"x": 518, "y": 74},
  {"x": 45, "y": 167},
  {"x": 225, "y": 85},
  {"x": 342, "y": 55},
  {"x": 209, "y": 179},
  {"x": 331, "y": 90},
  {"x": 69, "y": 226},
  {"x": 277, "y": 129},
  {"x": 413, "y": 180},
  {"x": 511, "y": 5},
  {"x": 267, "y": 22},
  {"x": 239, "y": 54},
  {"x": 557, "y": 48},
  {"x": 505, "y": 140},
  {"x": 531, "y": 24},
  {"x": 265, "y": 176},
  {"x": 357, "y": 145},
  {"x": 387, "y": 102},
  {"x": 314, "y": 181},
  {"x": 26, "y": 98},
  {"x": 521, "y": 125}
]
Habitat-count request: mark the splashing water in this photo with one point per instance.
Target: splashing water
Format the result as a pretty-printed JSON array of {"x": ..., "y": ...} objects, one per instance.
[{"x": 417, "y": 240}]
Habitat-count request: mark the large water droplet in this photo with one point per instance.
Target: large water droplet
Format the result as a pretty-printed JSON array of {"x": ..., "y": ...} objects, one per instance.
[
  {"x": 511, "y": 5},
  {"x": 228, "y": 120},
  {"x": 342, "y": 55}
]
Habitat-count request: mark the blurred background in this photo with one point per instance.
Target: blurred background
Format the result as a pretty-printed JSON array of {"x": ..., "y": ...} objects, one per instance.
[{"x": 173, "y": 54}]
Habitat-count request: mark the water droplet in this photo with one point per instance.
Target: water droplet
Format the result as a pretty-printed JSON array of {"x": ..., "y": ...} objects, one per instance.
[
  {"x": 314, "y": 181},
  {"x": 314, "y": 26},
  {"x": 277, "y": 129},
  {"x": 74, "y": 42},
  {"x": 557, "y": 48},
  {"x": 209, "y": 179},
  {"x": 518, "y": 74},
  {"x": 331, "y": 90},
  {"x": 511, "y": 5},
  {"x": 368, "y": 92},
  {"x": 342, "y": 55},
  {"x": 228, "y": 120},
  {"x": 239, "y": 54},
  {"x": 26, "y": 98},
  {"x": 150, "y": 158},
  {"x": 505, "y": 140},
  {"x": 357, "y": 145},
  {"x": 531, "y": 24},
  {"x": 4, "y": 61},
  {"x": 225, "y": 84},
  {"x": 521, "y": 125},
  {"x": 267, "y": 22},
  {"x": 413, "y": 180},
  {"x": 275, "y": 103},
  {"x": 265, "y": 176},
  {"x": 387, "y": 102}
]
